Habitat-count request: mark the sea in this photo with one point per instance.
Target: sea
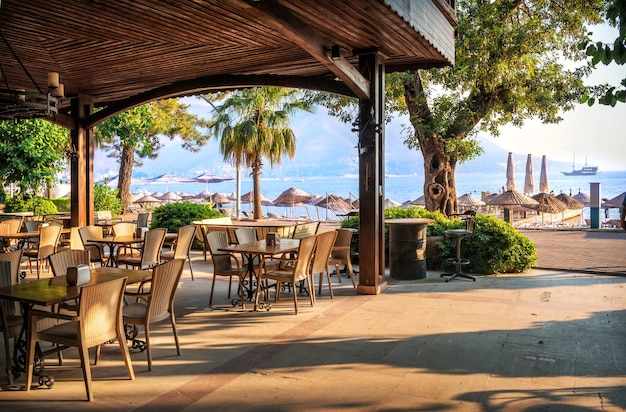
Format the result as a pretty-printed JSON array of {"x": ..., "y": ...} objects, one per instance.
[{"x": 397, "y": 188}]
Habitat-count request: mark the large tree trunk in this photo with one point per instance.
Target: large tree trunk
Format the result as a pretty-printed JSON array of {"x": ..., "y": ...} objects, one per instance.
[
  {"x": 439, "y": 183},
  {"x": 127, "y": 160},
  {"x": 439, "y": 166},
  {"x": 256, "y": 181}
]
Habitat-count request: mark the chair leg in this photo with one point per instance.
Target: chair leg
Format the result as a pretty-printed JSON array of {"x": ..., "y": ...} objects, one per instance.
[
  {"x": 148, "y": 349},
  {"x": 121, "y": 339},
  {"x": 7, "y": 354},
  {"x": 295, "y": 299},
  {"x": 86, "y": 367},
  {"x": 213, "y": 287},
  {"x": 338, "y": 272},
  {"x": 190, "y": 267},
  {"x": 172, "y": 318}
]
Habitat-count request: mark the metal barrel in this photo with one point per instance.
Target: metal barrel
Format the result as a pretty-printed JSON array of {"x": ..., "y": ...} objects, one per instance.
[{"x": 407, "y": 252}]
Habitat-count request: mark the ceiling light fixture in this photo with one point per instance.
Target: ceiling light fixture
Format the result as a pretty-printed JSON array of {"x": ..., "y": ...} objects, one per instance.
[{"x": 17, "y": 103}]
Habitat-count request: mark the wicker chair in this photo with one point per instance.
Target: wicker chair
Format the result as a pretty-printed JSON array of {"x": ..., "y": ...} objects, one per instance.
[
  {"x": 11, "y": 318},
  {"x": 15, "y": 257},
  {"x": 12, "y": 226},
  {"x": 150, "y": 252},
  {"x": 48, "y": 242},
  {"x": 307, "y": 229},
  {"x": 96, "y": 251},
  {"x": 325, "y": 243},
  {"x": 290, "y": 271},
  {"x": 126, "y": 229},
  {"x": 224, "y": 263},
  {"x": 246, "y": 235},
  {"x": 99, "y": 320},
  {"x": 341, "y": 254},
  {"x": 158, "y": 304},
  {"x": 63, "y": 259},
  {"x": 182, "y": 247}
]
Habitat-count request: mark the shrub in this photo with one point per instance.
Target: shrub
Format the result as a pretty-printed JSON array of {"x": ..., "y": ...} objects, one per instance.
[
  {"x": 174, "y": 215},
  {"x": 38, "y": 205},
  {"x": 496, "y": 247},
  {"x": 106, "y": 198},
  {"x": 62, "y": 204}
]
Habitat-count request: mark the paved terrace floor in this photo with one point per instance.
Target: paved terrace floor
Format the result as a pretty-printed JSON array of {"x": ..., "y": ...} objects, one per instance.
[{"x": 543, "y": 340}]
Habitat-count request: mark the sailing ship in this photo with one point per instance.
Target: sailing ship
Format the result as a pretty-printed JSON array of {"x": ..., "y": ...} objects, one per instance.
[{"x": 584, "y": 171}]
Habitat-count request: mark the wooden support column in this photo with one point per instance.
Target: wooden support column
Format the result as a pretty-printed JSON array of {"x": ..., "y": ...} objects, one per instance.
[
  {"x": 81, "y": 164},
  {"x": 371, "y": 178}
]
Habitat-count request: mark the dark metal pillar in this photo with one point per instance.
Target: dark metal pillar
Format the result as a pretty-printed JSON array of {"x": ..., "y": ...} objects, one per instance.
[
  {"x": 371, "y": 178},
  {"x": 81, "y": 164}
]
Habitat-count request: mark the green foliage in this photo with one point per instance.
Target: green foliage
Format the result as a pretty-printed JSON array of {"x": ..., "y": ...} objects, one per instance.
[
  {"x": 174, "y": 215},
  {"x": 607, "y": 54},
  {"x": 105, "y": 198},
  {"x": 32, "y": 152},
  {"x": 62, "y": 203},
  {"x": 496, "y": 247},
  {"x": 38, "y": 205}
]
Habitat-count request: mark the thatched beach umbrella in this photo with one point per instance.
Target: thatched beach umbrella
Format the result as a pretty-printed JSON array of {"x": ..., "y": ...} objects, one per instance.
[
  {"x": 170, "y": 196},
  {"x": 220, "y": 198},
  {"x": 391, "y": 203},
  {"x": 548, "y": 203},
  {"x": 511, "y": 199},
  {"x": 570, "y": 201},
  {"x": 147, "y": 199},
  {"x": 584, "y": 198},
  {"x": 616, "y": 202},
  {"x": 467, "y": 200}
]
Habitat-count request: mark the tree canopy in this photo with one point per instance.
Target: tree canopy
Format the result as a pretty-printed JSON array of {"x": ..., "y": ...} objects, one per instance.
[
  {"x": 33, "y": 152},
  {"x": 252, "y": 125},
  {"x": 135, "y": 135},
  {"x": 509, "y": 67}
]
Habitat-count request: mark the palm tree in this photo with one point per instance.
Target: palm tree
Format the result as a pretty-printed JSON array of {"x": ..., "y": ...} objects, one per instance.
[{"x": 252, "y": 125}]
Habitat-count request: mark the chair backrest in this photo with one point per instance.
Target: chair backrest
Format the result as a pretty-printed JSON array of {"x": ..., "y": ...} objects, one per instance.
[
  {"x": 221, "y": 260},
  {"x": 100, "y": 311},
  {"x": 124, "y": 229},
  {"x": 48, "y": 240},
  {"x": 303, "y": 230},
  {"x": 104, "y": 215},
  {"x": 14, "y": 258},
  {"x": 325, "y": 243},
  {"x": 76, "y": 242},
  {"x": 33, "y": 225},
  {"x": 245, "y": 235},
  {"x": 344, "y": 239},
  {"x": 305, "y": 254},
  {"x": 184, "y": 240},
  {"x": 63, "y": 259},
  {"x": 142, "y": 219},
  {"x": 8, "y": 308},
  {"x": 88, "y": 233},
  {"x": 165, "y": 279},
  {"x": 153, "y": 243},
  {"x": 14, "y": 225}
]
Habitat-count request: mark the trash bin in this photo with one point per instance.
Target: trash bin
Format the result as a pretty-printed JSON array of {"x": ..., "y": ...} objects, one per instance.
[{"x": 407, "y": 248}]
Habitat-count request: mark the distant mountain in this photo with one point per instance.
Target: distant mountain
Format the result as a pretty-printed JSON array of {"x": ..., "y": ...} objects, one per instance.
[{"x": 325, "y": 147}]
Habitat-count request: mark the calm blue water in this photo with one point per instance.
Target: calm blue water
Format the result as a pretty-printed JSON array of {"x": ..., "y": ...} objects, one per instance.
[{"x": 398, "y": 188}]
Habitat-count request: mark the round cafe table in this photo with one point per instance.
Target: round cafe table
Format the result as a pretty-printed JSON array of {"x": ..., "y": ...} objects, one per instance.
[{"x": 407, "y": 248}]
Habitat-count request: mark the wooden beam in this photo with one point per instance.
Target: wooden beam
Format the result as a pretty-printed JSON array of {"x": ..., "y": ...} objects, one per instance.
[
  {"x": 296, "y": 31},
  {"x": 217, "y": 83}
]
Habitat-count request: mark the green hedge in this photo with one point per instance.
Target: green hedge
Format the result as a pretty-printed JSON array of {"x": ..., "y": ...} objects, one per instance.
[
  {"x": 496, "y": 247},
  {"x": 38, "y": 205},
  {"x": 175, "y": 215}
]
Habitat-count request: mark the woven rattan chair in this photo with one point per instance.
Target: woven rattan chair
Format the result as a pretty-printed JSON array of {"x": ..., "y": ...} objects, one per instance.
[
  {"x": 182, "y": 247},
  {"x": 99, "y": 320},
  {"x": 126, "y": 229},
  {"x": 158, "y": 304},
  {"x": 246, "y": 235},
  {"x": 290, "y": 271},
  {"x": 10, "y": 315},
  {"x": 96, "y": 251},
  {"x": 319, "y": 265},
  {"x": 48, "y": 242},
  {"x": 15, "y": 257},
  {"x": 303, "y": 230},
  {"x": 12, "y": 226},
  {"x": 63, "y": 259},
  {"x": 341, "y": 254},
  {"x": 224, "y": 263},
  {"x": 150, "y": 252}
]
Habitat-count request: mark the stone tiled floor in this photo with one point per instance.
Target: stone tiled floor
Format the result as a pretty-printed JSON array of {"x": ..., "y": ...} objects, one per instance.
[{"x": 542, "y": 340}]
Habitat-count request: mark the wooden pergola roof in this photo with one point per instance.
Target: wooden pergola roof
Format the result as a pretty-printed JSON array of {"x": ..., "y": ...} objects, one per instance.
[{"x": 126, "y": 52}]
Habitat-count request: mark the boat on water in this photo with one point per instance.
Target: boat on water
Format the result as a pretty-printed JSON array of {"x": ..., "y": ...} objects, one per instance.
[{"x": 586, "y": 170}]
